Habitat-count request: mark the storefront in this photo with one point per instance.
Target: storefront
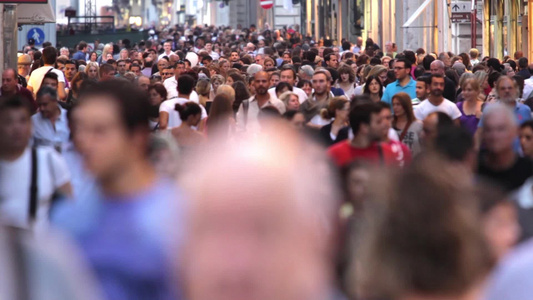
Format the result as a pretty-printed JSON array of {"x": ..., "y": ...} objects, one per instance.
[{"x": 505, "y": 27}]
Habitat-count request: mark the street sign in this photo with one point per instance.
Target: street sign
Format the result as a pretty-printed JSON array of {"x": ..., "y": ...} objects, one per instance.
[
  {"x": 267, "y": 4},
  {"x": 461, "y": 11},
  {"x": 36, "y": 34},
  {"x": 459, "y": 17}
]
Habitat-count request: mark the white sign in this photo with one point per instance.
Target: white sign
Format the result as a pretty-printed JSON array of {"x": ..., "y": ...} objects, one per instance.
[{"x": 466, "y": 7}]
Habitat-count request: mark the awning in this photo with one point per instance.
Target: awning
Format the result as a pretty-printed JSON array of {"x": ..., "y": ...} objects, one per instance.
[
  {"x": 417, "y": 13},
  {"x": 35, "y": 13}
]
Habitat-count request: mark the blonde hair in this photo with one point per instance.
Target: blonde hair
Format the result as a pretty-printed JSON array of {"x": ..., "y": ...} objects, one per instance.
[
  {"x": 285, "y": 97},
  {"x": 376, "y": 70},
  {"x": 228, "y": 90}
]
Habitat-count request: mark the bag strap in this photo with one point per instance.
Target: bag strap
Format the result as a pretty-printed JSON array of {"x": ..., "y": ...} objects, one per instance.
[
  {"x": 245, "y": 107},
  {"x": 381, "y": 156},
  {"x": 33, "y": 187},
  {"x": 404, "y": 131}
]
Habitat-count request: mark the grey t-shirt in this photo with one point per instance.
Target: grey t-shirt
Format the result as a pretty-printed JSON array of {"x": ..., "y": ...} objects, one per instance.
[{"x": 412, "y": 137}]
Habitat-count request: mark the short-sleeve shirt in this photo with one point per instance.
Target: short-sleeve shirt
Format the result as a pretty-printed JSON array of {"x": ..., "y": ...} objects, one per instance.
[
  {"x": 425, "y": 108},
  {"x": 343, "y": 153},
  {"x": 36, "y": 77},
  {"x": 174, "y": 119},
  {"x": 394, "y": 88},
  {"x": 52, "y": 173}
]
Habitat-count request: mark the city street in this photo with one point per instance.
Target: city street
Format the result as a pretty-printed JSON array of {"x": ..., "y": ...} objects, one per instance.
[{"x": 274, "y": 149}]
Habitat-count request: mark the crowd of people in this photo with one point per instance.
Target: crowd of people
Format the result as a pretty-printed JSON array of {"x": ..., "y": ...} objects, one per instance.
[{"x": 218, "y": 163}]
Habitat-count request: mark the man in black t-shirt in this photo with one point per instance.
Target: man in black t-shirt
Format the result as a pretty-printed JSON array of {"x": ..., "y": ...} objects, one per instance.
[{"x": 501, "y": 164}]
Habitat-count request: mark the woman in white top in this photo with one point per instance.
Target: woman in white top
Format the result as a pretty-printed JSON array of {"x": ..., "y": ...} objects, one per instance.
[{"x": 346, "y": 81}]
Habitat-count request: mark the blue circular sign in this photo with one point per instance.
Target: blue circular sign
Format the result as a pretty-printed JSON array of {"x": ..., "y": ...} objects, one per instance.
[{"x": 37, "y": 34}]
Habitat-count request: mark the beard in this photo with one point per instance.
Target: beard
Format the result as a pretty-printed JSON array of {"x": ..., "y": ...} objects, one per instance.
[{"x": 437, "y": 93}]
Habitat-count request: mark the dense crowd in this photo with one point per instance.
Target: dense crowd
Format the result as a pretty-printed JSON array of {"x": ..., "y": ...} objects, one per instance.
[{"x": 215, "y": 163}]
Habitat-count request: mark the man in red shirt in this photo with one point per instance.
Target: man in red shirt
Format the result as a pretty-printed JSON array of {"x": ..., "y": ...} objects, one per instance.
[
  {"x": 401, "y": 152},
  {"x": 367, "y": 126}
]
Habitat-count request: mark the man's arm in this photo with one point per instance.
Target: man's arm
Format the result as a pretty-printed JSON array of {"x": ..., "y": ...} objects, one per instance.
[
  {"x": 163, "y": 120},
  {"x": 61, "y": 91}
]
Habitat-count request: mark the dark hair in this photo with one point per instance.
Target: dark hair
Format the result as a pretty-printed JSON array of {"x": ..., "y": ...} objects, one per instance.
[
  {"x": 51, "y": 75},
  {"x": 80, "y": 76},
  {"x": 366, "y": 89},
  {"x": 188, "y": 109},
  {"x": 289, "y": 67},
  {"x": 241, "y": 93},
  {"x": 362, "y": 114},
  {"x": 522, "y": 62},
  {"x": 49, "y": 55},
  {"x": 106, "y": 68},
  {"x": 301, "y": 83},
  {"x": 47, "y": 90},
  {"x": 132, "y": 103},
  {"x": 185, "y": 84},
  {"x": 435, "y": 76},
  {"x": 289, "y": 115},
  {"x": 419, "y": 71},
  {"x": 236, "y": 77},
  {"x": 406, "y": 62},
  {"x": 160, "y": 89},
  {"x": 82, "y": 45},
  {"x": 281, "y": 85},
  {"x": 135, "y": 65},
  {"x": 520, "y": 83},
  {"x": 493, "y": 77},
  {"x": 527, "y": 124},
  {"x": 14, "y": 102},
  {"x": 454, "y": 143},
  {"x": 410, "y": 56},
  {"x": 426, "y": 62},
  {"x": 327, "y": 57}
]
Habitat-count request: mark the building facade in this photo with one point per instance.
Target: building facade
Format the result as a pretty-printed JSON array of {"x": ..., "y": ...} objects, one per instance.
[{"x": 502, "y": 25}]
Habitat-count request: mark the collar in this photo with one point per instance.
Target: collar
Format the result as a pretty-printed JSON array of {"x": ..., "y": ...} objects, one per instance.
[
  {"x": 409, "y": 83},
  {"x": 253, "y": 98}
]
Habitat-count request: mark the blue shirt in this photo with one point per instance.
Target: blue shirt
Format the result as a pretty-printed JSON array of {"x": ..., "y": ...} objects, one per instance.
[
  {"x": 79, "y": 56},
  {"x": 394, "y": 88},
  {"x": 126, "y": 239}
]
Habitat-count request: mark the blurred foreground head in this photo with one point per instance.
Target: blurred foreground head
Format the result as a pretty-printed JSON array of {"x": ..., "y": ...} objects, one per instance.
[
  {"x": 424, "y": 238},
  {"x": 260, "y": 221}
]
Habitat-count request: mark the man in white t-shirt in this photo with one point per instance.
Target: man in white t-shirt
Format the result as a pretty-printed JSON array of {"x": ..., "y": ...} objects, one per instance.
[
  {"x": 288, "y": 75},
  {"x": 167, "y": 47},
  {"x": 171, "y": 84},
  {"x": 436, "y": 102},
  {"x": 36, "y": 78},
  {"x": 26, "y": 197},
  {"x": 168, "y": 116}
]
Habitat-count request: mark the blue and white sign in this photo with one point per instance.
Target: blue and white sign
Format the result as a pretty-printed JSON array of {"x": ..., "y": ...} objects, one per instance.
[{"x": 37, "y": 34}]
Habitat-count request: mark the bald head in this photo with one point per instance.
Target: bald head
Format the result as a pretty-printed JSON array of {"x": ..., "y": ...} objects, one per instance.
[
  {"x": 258, "y": 210},
  {"x": 9, "y": 81},
  {"x": 500, "y": 128},
  {"x": 437, "y": 67}
]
